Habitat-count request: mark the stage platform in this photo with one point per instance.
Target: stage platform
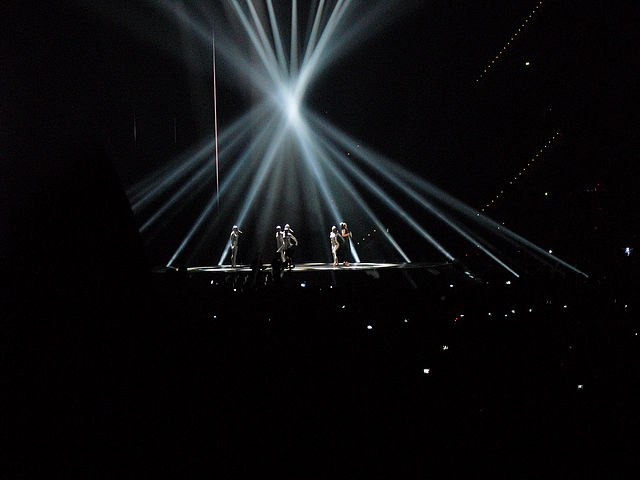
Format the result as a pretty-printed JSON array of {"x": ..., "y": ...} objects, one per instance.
[
  {"x": 389, "y": 276},
  {"x": 323, "y": 267}
]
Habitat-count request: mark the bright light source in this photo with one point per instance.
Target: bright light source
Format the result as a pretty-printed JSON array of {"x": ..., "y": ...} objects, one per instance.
[
  {"x": 427, "y": 370},
  {"x": 369, "y": 327},
  {"x": 293, "y": 109},
  {"x": 303, "y": 284}
]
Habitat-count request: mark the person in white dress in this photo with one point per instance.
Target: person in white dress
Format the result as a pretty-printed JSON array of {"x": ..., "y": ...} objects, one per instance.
[{"x": 335, "y": 244}]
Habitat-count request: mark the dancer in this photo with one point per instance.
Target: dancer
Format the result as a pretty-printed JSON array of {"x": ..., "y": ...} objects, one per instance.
[
  {"x": 235, "y": 236},
  {"x": 335, "y": 244},
  {"x": 280, "y": 243},
  {"x": 290, "y": 244},
  {"x": 345, "y": 233}
]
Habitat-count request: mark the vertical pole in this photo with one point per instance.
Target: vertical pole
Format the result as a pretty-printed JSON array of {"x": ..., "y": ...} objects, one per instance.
[{"x": 215, "y": 120}]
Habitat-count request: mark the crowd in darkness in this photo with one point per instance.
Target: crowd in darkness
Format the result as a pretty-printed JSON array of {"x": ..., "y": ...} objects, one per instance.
[{"x": 525, "y": 378}]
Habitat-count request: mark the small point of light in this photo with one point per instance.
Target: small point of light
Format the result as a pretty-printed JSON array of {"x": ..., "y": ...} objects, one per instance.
[
  {"x": 550, "y": 251},
  {"x": 426, "y": 371},
  {"x": 489, "y": 313},
  {"x": 546, "y": 194},
  {"x": 451, "y": 285},
  {"x": 211, "y": 282},
  {"x": 565, "y": 306},
  {"x": 445, "y": 347},
  {"x": 513, "y": 311},
  {"x": 580, "y": 387},
  {"x": 406, "y": 320},
  {"x": 344, "y": 306},
  {"x": 234, "y": 290},
  {"x": 303, "y": 285},
  {"x": 369, "y": 327},
  {"x": 215, "y": 317},
  {"x": 530, "y": 310},
  {"x": 508, "y": 282}
]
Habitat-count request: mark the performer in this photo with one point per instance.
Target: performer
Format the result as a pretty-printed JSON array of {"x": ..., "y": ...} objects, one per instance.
[
  {"x": 345, "y": 233},
  {"x": 280, "y": 243},
  {"x": 235, "y": 236},
  {"x": 290, "y": 244},
  {"x": 335, "y": 244}
]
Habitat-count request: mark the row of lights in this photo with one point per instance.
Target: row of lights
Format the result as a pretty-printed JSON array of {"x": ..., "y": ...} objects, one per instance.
[
  {"x": 509, "y": 42},
  {"x": 524, "y": 170}
]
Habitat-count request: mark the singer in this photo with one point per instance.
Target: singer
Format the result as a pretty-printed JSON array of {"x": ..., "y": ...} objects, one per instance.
[{"x": 235, "y": 236}]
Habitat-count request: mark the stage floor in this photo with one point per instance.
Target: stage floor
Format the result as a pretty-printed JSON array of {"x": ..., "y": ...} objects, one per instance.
[{"x": 322, "y": 267}]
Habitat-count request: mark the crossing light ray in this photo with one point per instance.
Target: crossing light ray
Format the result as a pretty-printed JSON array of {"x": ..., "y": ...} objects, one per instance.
[
  {"x": 323, "y": 156},
  {"x": 471, "y": 214},
  {"x": 281, "y": 141},
  {"x": 374, "y": 188},
  {"x": 422, "y": 201},
  {"x": 157, "y": 183},
  {"x": 385, "y": 166},
  {"x": 198, "y": 181},
  {"x": 230, "y": 181}
]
